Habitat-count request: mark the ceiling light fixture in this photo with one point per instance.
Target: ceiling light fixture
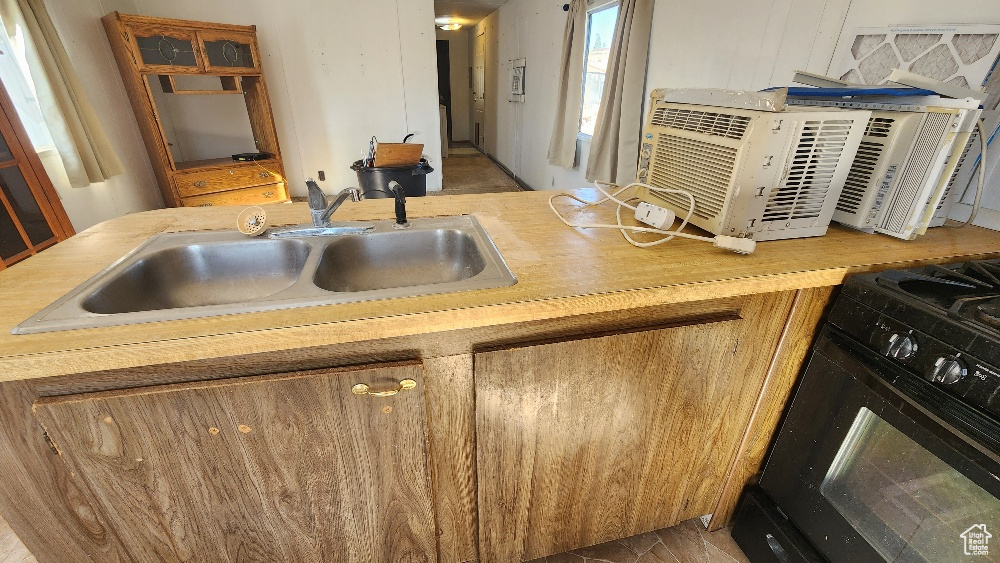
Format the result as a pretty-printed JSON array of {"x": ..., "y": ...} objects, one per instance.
[{"x": 451, "y": 26}]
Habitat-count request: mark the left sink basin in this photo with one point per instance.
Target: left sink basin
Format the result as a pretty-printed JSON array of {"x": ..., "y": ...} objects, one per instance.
[{"x": 203, "y": 274}]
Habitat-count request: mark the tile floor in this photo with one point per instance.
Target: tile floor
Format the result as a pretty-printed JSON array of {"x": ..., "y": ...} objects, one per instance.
[
  {"x": 11, "y": 548},
  {"x": 687, "y": 542},
  {"x": 468, "y": 171}
]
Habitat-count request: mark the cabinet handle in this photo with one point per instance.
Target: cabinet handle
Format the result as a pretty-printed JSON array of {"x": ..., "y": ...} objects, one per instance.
[
  {"x": 268, "y": 194},
  {"x": 364, "y": 389},
  {"x": 205, "y": 205},
  {"x": 264, "y": 174},
  {"x": 200, "y": 184}
]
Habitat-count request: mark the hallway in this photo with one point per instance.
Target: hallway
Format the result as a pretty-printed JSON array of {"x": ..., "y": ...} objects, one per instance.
[{"x": 468, "y": 171}]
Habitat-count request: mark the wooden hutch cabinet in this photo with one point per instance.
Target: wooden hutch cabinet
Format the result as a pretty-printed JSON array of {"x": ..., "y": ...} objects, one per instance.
[{"x": 159, "y": 58}]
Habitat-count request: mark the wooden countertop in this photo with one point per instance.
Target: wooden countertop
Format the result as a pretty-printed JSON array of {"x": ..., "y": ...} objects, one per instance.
[{"x": 561, "y": 272}]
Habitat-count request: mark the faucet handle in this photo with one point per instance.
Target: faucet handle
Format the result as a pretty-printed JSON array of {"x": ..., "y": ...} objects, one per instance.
[{"x": 317, "y": 197}]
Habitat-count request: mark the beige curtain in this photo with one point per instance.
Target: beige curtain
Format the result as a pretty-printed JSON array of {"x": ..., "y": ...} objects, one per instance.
[
  {"x": 80, "y": 139},
  {"x": 614, "y": 151},
  {"x": 562, "y": 146}
]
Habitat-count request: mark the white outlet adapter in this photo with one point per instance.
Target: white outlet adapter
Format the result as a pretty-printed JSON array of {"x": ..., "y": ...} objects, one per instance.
[{"x": 654, "y": 216}]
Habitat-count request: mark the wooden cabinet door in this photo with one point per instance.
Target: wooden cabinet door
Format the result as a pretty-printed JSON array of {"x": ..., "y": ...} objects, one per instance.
[
  {"x": 229, "y": 52},
  {"x": 165, "y": 49},
  {"x": 31, "y": 216},
  {"x": 585, "y": 441},
  {"x": 291, "y": 467}
]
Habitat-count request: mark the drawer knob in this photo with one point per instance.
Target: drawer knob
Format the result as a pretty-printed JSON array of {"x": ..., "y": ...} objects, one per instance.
[
  {"x": 264, "y": 174},
  {"x": 364, "y": 389},
  {"x": 231, "y": 172},
  {"x": 200, "y": 184},
  {"x": 268, "y": 194}
]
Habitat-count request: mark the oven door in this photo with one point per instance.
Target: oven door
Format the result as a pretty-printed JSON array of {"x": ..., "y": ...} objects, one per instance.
[{"x": 873, "y": 463}]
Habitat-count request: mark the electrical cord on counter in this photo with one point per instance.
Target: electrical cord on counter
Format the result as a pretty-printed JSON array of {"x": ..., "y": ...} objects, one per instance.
[
  {"x": 984, "y": 143},
  {"x": 738, "y": 245}
]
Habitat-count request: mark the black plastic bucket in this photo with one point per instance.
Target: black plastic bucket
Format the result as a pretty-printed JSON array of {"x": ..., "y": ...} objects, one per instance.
[{"x": 374, "y": 182}]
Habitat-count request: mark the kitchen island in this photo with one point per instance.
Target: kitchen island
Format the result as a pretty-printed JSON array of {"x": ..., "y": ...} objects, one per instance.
[{"x": 612, "y": 390}]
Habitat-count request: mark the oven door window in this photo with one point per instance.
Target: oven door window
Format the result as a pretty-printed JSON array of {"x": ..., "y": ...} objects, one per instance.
[
  {"x": 867, "y": 474},
  {"x": 909, "y": 504}
]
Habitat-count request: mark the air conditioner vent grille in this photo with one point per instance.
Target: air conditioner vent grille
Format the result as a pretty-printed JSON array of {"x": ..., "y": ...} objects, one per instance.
[
  {"x": 879, "y": 127},
  {"x": 811, "y": 174},
  {"x": 706, "y": 122},
  {"x": 860, "y": 177},
  {"x": 912, "y": 179},
  {"x": 704, "y": 169}
]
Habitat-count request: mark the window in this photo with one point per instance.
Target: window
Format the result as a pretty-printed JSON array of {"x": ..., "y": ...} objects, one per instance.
[
  {"x": 15, "y": 76},
  {"x": 600, "y": 31}
]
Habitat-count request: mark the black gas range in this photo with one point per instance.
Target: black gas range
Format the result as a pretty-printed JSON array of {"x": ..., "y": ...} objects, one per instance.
[{"x": 890, "y": 450}]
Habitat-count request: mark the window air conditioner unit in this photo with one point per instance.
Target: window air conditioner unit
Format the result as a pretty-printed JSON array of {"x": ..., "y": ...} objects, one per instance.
[
  {"x": 764, "y": 175},
  {"x": 900, "y": 180}
]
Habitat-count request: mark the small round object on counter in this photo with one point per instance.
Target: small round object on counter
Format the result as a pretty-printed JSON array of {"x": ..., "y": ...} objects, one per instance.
[{"x": 252, "y": 221}]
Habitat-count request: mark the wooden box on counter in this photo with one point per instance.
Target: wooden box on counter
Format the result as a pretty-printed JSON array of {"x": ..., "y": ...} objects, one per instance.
[{"x": 150, "y": 53}]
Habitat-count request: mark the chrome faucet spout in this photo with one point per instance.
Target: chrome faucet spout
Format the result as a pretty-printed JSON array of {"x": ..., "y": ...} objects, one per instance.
[
  {"x": 322, "y": 207},
  {"x": 352, "y": 193}
]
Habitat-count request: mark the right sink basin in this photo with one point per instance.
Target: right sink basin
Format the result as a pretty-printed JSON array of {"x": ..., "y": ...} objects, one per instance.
[{"x": 403, "y": 258}]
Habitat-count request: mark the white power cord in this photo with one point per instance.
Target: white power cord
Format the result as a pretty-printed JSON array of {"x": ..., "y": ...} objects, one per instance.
[
  {"x": 982, "y": 176},
  {"x": 738, "y": 245}
]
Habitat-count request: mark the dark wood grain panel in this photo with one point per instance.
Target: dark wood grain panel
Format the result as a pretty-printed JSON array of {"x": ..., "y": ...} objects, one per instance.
[
  {"x": 291, "y": 467},
  {"x": 46, "y": 506},
  {"x": 451, "y": 421},
  {"x": 585, "y": 441}
]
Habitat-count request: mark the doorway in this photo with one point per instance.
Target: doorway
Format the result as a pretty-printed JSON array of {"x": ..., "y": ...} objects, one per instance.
[
  {"x": 444, "y": 81},
  {"x": 479, "y": 90}
]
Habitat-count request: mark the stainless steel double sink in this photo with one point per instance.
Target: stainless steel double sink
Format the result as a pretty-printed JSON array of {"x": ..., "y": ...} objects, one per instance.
[{"x": 201, "y": 274}]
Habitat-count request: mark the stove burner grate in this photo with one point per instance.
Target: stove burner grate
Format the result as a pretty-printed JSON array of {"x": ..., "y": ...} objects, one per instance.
[
  {"x": 958, "y": 289},
  {"x": 989, "y": 313}
]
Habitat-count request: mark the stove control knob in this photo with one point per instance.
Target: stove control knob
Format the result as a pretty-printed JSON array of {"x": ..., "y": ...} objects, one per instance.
[
  {"x": 899, "y": 346},
  {"x": 948, "y": 370}
]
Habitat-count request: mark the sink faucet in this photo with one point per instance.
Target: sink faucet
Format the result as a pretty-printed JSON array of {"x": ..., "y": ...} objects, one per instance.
[
  {"x": 321, "y": 208},
  {"x": 400, "y": 195}
]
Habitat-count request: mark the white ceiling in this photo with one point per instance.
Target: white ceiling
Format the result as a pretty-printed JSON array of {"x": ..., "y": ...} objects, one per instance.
[{"x": 466, "y": 12}]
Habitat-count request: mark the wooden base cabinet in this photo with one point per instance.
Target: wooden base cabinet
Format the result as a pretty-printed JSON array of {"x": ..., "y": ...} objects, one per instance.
[
  {"x": 588, "y": 440},
  {"x": 291, "y": 467},
  {"x": 506, "y": 449}
]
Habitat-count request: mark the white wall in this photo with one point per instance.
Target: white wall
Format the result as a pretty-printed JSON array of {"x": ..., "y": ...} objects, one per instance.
[
  {"x": 520, "y": 133},
  {"x": 461, "y": 91},
  {"x": 749, "y": 44},
  {"x": 337, "y": 71}
]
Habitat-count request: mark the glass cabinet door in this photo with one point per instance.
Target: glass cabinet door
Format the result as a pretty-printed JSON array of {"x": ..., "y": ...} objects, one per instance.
[
  {"x": 31, "y": 216},
  {"x": 167, "y": 49},
  {"x": 25, "y": 206},
  {"x": 12, "y": 245},
  {"x": 229, "y": 52}
]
